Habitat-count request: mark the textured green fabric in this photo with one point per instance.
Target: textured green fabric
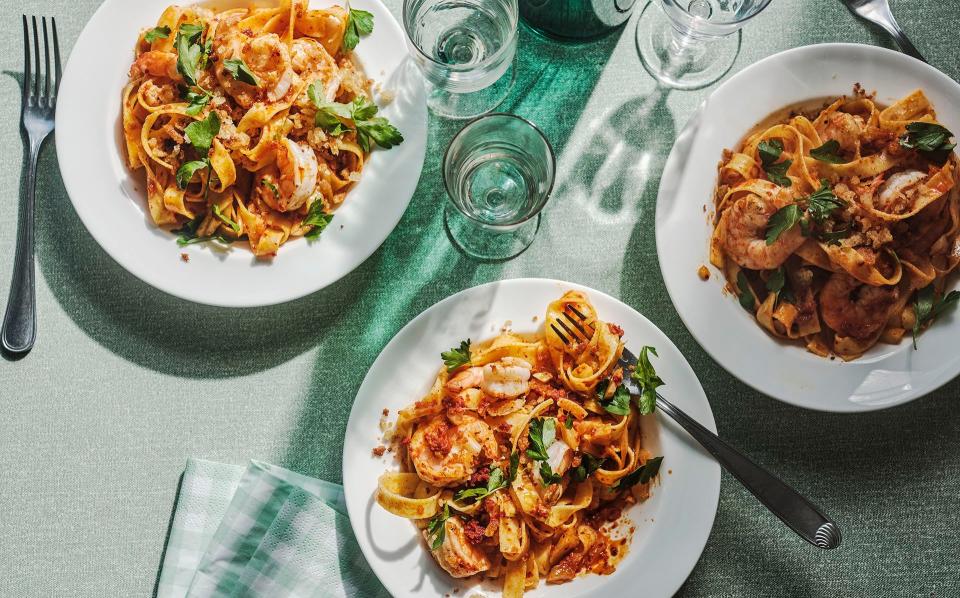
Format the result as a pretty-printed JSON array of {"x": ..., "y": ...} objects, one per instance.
[{"x": 126, "y": 383}]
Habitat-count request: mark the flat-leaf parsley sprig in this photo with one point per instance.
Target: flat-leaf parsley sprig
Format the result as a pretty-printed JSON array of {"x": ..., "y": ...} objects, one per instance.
[{"x": 336, "y": 118}]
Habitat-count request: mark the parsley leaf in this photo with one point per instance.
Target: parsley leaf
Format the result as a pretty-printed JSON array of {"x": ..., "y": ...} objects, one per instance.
[
  {"x": 541, "y": 432},
  {"x": 782, "y": 220},
  {"x": 326, "y": 118},
  {"x": 746, "y": 295},
  {"x": 648, "y": 380},
  {"x": 362, "y": 108},
  {"x": 588, "y": 465},
  {"x": 769, "y": 154},
  {"x": 184, "y": 241},
  {"x": 436, "y": 529},
  {"x": 187, "y": 170},
  {"x": 822, "y": 203},
  {"x": 455, "y": 357},
  {"x": 776, "y": 280},
  {"x": 926, "y": 307},
  {"x": 188, "y": 234},
  {"x": 777, "y": 284},
  {"x": 373, "y": 128},
  {"x": 200, "y": 133},
  {"x": 224, "y": 219},
  {"x": 318, "y": 219},
  {"x": 329, "y": 114},
  {"x": 380, "y": 131},
  {"x": 547, "y": 475},
  {"x": 833, "y": 237},
  {"x": 276, "y": 192},
  {"x": 928, "y": 138},
  {"x": 156, "y": 33},
  {"x": 189, "y": 51},
  {"x": 514, "y": 464},
  {"x": 239, "y": 70},
  {"x": 778, "y": 173},
  {"x": 359, "y": 22},
  {"x": 370, "y": 128},
  {"x": 619, "y": 402},
  {"x": 770, "y": 151},
  {"x": 640, "y": 475},
  {"x": 922, "y": 307},
  {"x": 944, "y": 304},
  {"x": 197, "y": 100},
  {"x": 495, "y": 482},
  {"x": 828, "y": 152}
]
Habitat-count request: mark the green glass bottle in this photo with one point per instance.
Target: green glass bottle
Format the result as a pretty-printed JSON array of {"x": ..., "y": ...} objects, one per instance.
[{"x": 575, "y": 20}]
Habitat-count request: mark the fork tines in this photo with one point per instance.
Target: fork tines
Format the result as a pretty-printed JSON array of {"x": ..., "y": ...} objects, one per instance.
[
  {"x": 572, "y": 322},
  {"x": 40, "y": 88}
]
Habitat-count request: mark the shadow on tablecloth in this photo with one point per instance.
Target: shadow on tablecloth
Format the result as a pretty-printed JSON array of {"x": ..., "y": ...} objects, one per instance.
[{"x": 417, "y": 266}]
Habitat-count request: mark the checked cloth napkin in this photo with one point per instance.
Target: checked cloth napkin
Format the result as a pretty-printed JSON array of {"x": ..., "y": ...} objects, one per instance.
[{"x": 261, "y": 531}]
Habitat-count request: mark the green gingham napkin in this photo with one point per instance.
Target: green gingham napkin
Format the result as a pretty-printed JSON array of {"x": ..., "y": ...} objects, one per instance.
[{"x": 261, "y": 531}]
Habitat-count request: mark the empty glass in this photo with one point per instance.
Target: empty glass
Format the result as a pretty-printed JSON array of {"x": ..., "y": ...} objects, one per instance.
[
  {"x": 465, "y": 50},
  {"x": 498, "y": 172},
  {"x": 688, "y": 44}
]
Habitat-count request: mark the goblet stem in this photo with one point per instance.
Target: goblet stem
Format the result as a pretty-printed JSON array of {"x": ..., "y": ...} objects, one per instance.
[{"x": 685, "y": 50}]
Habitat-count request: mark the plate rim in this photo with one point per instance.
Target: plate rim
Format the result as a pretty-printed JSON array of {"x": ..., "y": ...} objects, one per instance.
[
  {"x": 671, "y": 166},
  {"x": 75, "y": 190},
  {"x": 711, "y": 483}
]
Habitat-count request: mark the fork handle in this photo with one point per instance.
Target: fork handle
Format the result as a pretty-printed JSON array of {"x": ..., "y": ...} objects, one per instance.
[
  {"x": 20, "y": 320},
  {"x": 797, "y": 512},
  {"x": 905, "y": 44}
]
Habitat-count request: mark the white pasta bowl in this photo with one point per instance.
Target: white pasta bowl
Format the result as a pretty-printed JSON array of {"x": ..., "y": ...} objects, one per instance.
[
  {"x": 886, "y": 375},
  {"x": 111, "y": 200},
  {"x": 671, "y": 527}
]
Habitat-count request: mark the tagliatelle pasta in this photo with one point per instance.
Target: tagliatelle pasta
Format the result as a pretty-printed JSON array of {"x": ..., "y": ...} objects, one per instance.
[
  {"x": 250, "y": 123},
  {"x": 518, "y": 461},
  {"x": 837, "y": 226}
]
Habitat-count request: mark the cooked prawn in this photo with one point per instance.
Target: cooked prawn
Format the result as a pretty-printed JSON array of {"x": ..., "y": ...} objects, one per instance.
[
  {"x": 156, "y": 64},
  {"x": 464, "y": 379},
  {"x": 308, "y": 56},
  {"x": 507, "y": 378},
  {"x": 447, "y": 455},
  {"x": 456, "y": 554},
  {"x": 846, "y": 129},
  {"x": 854, "y": 309},
  {"x": 268, "y": 59},
  {"x": 899, "y": 190},
  {"x": 746, "y": 227},
  {"x": 294, "y": 179}
]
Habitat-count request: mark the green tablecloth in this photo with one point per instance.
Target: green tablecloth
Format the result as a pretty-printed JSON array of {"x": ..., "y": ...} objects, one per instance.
[{"x": 126, "y": 382}]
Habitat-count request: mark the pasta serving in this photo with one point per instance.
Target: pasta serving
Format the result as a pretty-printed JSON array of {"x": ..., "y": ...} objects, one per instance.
[
  {"x": 252, "y": 122},
  {"x": 838, "y": 226},
  {"x": 517, "y": 464}
]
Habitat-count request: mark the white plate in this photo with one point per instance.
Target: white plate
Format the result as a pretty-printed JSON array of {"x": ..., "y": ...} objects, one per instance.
[
  {"x": 888, "y": 374},
  {"x": 111, "y": 201},
  {"x": 672, "y": 527}
]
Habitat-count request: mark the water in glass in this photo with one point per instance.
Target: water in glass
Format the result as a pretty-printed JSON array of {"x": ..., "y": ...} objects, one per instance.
[{"x": 463, "y": 45}]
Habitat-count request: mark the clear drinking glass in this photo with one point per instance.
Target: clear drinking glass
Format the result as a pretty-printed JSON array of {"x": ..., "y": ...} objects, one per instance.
[
  {"x": 688, "y": 44},
  {"x": 465, "y": 50},
  {"x": 499, "y": 172}
]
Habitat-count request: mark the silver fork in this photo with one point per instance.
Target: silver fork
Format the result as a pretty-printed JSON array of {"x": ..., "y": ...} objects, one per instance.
[
  {"x": 878, "y": 13},
  {"x": 38, "y": 104},
  {"x": 802, "y": 516}
]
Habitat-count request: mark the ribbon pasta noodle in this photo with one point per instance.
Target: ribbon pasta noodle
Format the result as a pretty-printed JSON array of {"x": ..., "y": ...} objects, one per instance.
[
  {"x": 512, "y": 468},
  {"x": 287, "y": 109},
  {"x": 833, "y": 225}
]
